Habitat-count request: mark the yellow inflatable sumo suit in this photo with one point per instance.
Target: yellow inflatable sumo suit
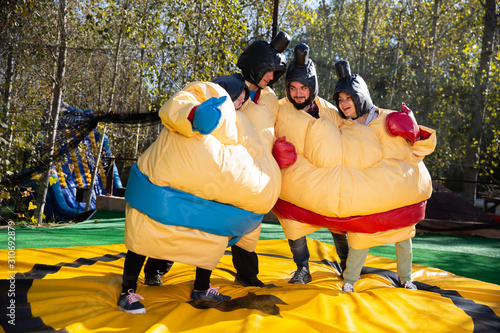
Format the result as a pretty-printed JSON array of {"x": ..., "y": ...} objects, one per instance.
[
  {"x": 262, "y": 63},
  {"x": 264, "y": 112},
  {"x": 233, "y": 166},
  {"x": 345, "y": 169}
]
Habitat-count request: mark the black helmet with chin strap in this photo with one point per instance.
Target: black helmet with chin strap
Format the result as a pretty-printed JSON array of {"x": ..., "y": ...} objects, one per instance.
[
  {"x": 302, "y": 70},
  {"x": 262, "y": 57},
  {"x": 353, "y": 85},
  {"x": 234, "y": 85}
]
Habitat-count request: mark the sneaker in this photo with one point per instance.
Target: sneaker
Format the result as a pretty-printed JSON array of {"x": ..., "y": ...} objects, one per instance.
[
  {"x": 347, "y": 287},
  {"x": 409, "y": 285},
  {"x": 153, "y": 279},
  {"x": 248, "y": 282},
  {"x": 301, "y": 276},
  {"x": 130, "y": 304},
  {"x": 154, "y": 271},
  {"x": 209, "y": 294}
]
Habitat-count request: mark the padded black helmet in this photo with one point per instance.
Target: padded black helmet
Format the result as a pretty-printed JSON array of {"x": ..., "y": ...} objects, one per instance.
[
  {"x": 234, "y": 85},
  {"x": 355, "y": 86},
  {"x": 262, "y": 57},
  {"x": 302, "y": 70}
]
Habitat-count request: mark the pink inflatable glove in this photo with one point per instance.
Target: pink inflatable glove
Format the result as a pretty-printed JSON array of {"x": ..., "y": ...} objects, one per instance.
[
  {"x": 403, "y": 124},
  {"x": 284, "y": 152}
]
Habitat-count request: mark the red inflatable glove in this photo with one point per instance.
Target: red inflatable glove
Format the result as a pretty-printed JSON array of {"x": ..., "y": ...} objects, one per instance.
[
  {"x": 284, "y": 152},
  {"x": 403, "y": 124}
]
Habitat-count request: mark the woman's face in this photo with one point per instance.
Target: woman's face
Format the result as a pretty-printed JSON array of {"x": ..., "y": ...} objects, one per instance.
[
  {"x": 239, "y": 101},
  {"x": 346, "y": 105}
]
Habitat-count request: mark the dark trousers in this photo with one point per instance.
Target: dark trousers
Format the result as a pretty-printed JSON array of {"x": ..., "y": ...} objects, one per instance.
[
  {"x": 133, "y": 265},
  {"x": 301, "y": 255},
  {"x": 246, "y": 263}
]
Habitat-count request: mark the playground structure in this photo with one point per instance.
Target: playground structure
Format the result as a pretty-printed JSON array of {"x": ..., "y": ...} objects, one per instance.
[
  {"x": 71, "y": 178},
  {"x": 79, "y": 153}
]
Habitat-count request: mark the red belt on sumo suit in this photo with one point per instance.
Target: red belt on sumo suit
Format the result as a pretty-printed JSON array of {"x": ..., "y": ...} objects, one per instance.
[{"x": 392, "y": 219}]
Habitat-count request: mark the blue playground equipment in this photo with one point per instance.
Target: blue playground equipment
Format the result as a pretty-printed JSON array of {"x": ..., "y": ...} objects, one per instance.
[{"x": 72, "y": 175}]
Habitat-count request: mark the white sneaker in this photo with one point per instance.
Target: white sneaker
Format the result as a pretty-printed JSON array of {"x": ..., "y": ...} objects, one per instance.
[
  {"x": 348, "y": 288},
  {"x": 409, "y": 285}
]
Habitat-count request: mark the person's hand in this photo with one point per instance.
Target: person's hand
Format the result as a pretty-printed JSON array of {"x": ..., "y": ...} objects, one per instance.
[
  {"x": 403, "y": 124},
  {"x": 207, "y": 115},
  {"x": 284, "y": 152}
]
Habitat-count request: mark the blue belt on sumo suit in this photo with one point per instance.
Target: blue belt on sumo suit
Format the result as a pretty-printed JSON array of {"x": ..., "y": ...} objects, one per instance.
[{"x": 169, "y": 206}]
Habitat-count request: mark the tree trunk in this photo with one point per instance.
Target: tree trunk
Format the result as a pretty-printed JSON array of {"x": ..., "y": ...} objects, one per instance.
[
  {"x": 115, "y": 72},
  {"x": 432, "y": 45},
  {"x": 478, "y": 107},
  {"x": 139, "y": 105},
  {"x": 362, "y": 53},
  {"x": 9, "y": 73},
  {"x": 434, "y": 30},
  {"x": 333, "y": 37},
  {"x": 55, "y": 107},
  {"x": 97, "y": 160},
  {"x": 397, "y": 55}
]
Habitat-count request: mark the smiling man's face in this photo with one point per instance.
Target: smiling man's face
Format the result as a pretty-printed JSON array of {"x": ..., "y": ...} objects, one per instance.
[{"x": 299, "y": 92}]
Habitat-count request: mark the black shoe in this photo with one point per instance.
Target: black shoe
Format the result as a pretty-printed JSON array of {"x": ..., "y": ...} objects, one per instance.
[
  {"x": 248, "y": 282},
  {"x": 212, "y": 294},
  {"x": 301, "y": 276},
  {"x": 154, "y": 271},
  {"x": 153, "y": 279}
]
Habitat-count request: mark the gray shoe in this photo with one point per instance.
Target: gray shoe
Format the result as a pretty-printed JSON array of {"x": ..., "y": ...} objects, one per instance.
[
  {"x": 409, "y": 285},
  {"x": 347, "y": 287},
  {"x": 301, "y": 276}
]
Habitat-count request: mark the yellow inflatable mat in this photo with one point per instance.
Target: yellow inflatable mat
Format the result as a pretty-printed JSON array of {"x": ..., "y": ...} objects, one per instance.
[{"x": 76, "y": 289}]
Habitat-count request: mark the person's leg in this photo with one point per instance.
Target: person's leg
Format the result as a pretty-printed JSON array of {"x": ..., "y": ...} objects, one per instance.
[
  {"x": 355, "y": 261},
  {"x": 202, "y": 288},
  {"x": 300, "y": 253},
  {"x": 128, "y": 302},
  {"x": 342, "y": 247},
  {"x": 131, "y": 270},
  {"x": 404, "y": 260},
  {"x": 202, "y": 280},
  {"x": 154, "y": 271},
  {"x": 247, "y": 266}
]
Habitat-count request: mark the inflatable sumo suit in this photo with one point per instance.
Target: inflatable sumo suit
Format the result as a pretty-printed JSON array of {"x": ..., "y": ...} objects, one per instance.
[
  {"x": 351, "y": 177},
  {"x": 256, "y": 60},
  {"x": 194, "y": 193}
]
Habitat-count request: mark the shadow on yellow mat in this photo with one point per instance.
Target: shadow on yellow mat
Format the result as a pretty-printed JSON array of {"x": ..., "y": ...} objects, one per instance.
[{"x": 76, "y": 289}]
